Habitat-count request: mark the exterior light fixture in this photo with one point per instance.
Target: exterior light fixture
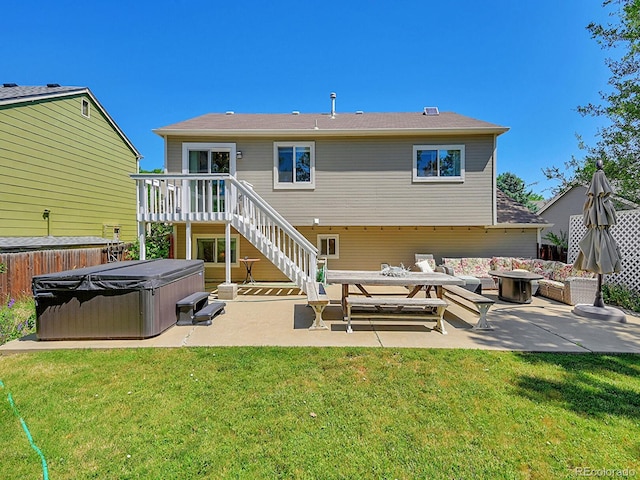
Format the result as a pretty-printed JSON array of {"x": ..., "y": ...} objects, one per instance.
[{"x": 45, "y": 216}]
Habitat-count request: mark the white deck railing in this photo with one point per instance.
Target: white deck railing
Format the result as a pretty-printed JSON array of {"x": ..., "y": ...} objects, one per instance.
[{"x": 223, "y": 198}]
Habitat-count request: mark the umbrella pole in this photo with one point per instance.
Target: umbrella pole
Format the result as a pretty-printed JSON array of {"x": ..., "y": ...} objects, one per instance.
[{"x": 598, "y": 301}]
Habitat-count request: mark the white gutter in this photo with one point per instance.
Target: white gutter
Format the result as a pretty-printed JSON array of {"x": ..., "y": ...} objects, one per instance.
[{"x": 370, "y": 132}]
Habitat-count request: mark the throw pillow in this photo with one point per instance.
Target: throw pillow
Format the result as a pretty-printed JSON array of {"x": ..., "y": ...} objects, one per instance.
[{"x": 424, "y": 266}]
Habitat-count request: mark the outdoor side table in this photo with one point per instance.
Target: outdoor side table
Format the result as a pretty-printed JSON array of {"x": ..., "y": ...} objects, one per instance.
[
  {"x": 248, "y": 264},
  {"x": 515, "y": 286}
]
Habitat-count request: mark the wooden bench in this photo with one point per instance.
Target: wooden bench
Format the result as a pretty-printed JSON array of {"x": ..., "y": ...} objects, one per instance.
[
  {"x": 317, "y": 299},
  {"x": 393, "y": 307},
  {"x": 473, "y": 302}
]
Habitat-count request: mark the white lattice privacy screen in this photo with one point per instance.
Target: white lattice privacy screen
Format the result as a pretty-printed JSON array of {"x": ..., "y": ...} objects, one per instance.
[{"x": 627, "y": 234}]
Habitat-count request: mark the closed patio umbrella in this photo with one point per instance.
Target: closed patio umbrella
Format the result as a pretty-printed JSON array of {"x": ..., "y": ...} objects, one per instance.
[{"x": 599, "y": 252}]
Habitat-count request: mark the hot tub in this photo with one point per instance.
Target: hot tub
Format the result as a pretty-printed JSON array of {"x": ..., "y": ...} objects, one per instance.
[{"x": 121, "y": 300}]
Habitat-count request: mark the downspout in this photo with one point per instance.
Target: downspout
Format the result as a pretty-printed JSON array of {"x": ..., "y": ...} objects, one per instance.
[
  {"x": 166, "y": 140},
  {"x": 494, "y": 185}
]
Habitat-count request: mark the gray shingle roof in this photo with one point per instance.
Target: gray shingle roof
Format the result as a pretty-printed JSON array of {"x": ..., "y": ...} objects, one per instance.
[
  {"x": 11, "y": 94},
  {"x": 43, "y": 243},
  {"x": 19, "y": 93},
  {"x": 510, "y": 211},
  {"x": 213, "y": 123}
]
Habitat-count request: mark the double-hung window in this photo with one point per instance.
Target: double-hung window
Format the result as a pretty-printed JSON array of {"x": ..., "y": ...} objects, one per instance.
[
  {"x": 211, "y": 249},
  {"x": 438, "y": 163},
  {"x": 294, "y": 165}
]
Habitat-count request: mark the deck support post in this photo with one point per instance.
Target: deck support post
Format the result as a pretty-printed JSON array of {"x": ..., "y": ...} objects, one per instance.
[
  {"x": 188, "y": 240},
  {"x": 227, "y": 252},
  {"x": 142, "y": 239}
]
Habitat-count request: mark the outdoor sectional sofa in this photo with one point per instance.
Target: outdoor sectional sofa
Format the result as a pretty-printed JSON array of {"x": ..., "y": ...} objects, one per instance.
[{"x": 561, "y": 282}]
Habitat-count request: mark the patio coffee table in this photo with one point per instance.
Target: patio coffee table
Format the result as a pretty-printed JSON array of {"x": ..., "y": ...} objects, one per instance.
[{"x": 514, "y": 286}]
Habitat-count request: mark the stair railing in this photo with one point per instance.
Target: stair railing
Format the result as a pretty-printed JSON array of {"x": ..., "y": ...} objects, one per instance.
[{"x": 222, "y": 197}]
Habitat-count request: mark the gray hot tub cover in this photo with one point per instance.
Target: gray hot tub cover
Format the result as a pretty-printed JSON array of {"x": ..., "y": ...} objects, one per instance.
[{"x": 127, "y": 275}]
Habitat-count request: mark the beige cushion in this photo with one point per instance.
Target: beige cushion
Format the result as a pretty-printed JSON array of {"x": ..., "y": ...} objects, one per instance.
[{"x": 424, "y": 266}]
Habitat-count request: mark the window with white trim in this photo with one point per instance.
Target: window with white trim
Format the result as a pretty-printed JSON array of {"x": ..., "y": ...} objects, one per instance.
[
  {"x": 85, "y": 108},
  {"x": 294, "y": 165},
  {"x": 329, "y": 246},
  {"x": 438, "y": 163},
  {"x": 211, "y": 249}
]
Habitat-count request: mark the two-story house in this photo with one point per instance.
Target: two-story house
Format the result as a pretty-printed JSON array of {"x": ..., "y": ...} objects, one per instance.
[
  {"x": 64, "y": 170},
  {"x": 359, "y": 189}
]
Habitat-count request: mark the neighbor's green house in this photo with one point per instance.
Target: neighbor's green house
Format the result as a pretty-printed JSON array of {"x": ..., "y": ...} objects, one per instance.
[{"x": 64, "y": 167}]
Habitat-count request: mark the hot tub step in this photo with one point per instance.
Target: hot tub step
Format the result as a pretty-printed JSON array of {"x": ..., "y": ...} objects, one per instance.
[
  {"x": 204, "y": 315},
  {"x": 187, "y": 306}
]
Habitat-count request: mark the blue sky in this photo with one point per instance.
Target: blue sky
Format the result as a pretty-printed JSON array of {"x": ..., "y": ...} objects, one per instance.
[{"x": 522, "y": 64}]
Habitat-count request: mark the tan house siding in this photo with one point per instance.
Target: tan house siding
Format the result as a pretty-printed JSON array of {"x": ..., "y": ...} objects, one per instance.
[
  {"x": 365, "y": 248},
  {"x": 368, "y": 181},
  {"x": 263, "y": 270},
  {"x": 362, "y": 248},
  {"x": 52, "y": 157}
]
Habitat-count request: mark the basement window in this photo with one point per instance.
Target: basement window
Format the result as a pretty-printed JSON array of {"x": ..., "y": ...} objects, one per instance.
[
  {"x": 211, "y": 249},
  {"x": 329, "y": 246}
]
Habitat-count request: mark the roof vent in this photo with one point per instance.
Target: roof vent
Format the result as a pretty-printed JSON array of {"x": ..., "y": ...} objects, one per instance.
[
  {"x": 295, "y": 112},
  {"x": 431, "y": 111},
  {"x": 333, "y": 104},
  {"x": 53, "y": 85},
  {"x": 9, "y": 85},
  {"x": 359, "y": 112},
  {"x": 230, "y": 112}
]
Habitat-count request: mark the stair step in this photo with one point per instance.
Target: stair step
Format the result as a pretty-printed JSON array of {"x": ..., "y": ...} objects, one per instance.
[
  {"x": 186, "y": 306},
  {"x": 204, "y": 315}
]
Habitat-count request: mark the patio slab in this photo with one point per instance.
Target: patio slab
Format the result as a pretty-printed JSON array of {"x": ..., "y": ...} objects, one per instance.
[{"x": 284, "y": 320}]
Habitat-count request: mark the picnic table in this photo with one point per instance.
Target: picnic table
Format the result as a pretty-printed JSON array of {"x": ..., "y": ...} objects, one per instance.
[{"x": 416, "y": 281}]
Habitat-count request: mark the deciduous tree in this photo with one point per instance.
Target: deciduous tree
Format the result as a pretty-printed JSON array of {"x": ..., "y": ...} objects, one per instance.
[
  {"x": 618, "y": 143},
  {"x": 515, "y": 188}
]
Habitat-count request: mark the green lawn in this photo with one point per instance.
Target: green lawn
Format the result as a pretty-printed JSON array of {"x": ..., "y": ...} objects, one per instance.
[{"x": 318, "y": 413}]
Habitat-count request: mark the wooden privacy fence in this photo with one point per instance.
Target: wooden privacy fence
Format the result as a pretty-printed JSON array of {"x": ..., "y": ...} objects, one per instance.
[{"x": 22, "y": 266}]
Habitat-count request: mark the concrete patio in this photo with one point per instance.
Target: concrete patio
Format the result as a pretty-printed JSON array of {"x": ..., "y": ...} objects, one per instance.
[{"x": 268, "y": 316}]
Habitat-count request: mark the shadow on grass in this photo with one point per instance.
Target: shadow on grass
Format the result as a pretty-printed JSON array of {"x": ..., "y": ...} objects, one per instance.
[{"x": 589, "y": 384}]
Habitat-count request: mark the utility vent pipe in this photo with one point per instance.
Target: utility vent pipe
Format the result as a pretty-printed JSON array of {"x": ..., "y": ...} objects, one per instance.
[{"x": 333, "y": 104}]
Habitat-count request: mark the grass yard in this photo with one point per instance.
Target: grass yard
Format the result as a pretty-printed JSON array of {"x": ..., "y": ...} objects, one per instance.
[{"x": 319, "y": 413}]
